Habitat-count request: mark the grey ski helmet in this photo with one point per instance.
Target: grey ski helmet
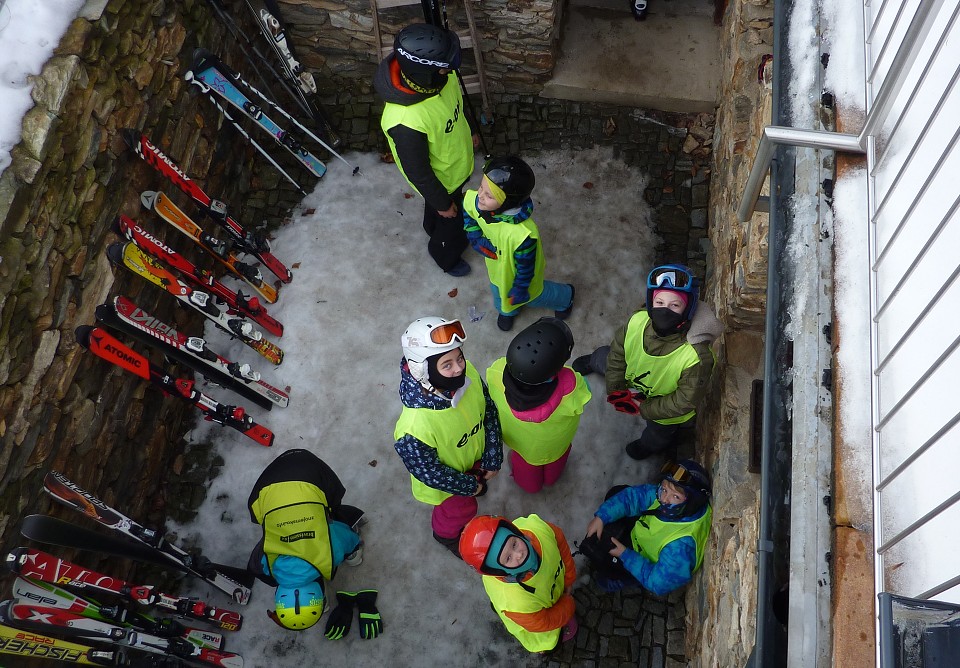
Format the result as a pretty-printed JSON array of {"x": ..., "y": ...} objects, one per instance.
[
  {"x": 422, "y": 51},
  {"x": 538, "y": 352}
]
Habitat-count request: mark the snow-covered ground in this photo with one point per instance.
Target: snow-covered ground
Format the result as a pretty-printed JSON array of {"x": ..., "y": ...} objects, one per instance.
[{"x": 363, "y": 275}]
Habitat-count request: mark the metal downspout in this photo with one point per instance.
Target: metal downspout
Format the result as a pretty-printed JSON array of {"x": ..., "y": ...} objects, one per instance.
[{"x": 773, "y": 479}]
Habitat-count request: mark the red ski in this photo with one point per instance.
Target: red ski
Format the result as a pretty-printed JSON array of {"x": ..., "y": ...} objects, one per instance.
[
  {"x": 236, "y": 300},
  {"x": 48, "y": 619},
  {"x": 103, "y": 345},
  {"x": 242, "y": 239},
  {"x": 45, "y": 567}
]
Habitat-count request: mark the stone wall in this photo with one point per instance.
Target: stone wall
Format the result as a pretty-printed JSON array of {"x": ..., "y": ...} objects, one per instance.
[
  {"x": 336, "y": 40},
  {"x": 722, "y": 606},
  {"x": 119, "y": 65}
]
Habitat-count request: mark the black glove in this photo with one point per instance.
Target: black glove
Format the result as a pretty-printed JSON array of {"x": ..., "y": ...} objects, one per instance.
[
  {"x": 597, "y": 552},
  {"x": 370, "y": 623},
  {"x": 342, "y": 616}
]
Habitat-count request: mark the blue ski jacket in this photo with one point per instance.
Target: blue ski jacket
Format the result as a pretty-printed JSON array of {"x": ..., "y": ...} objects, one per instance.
[{"x": 677, "y": 560}]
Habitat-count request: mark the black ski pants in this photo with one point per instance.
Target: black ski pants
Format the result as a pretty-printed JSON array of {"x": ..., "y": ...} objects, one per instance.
[{"x": 447, "y": 238}]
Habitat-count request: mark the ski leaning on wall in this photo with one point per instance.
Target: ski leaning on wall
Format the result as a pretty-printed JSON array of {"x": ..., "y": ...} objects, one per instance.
[
  {"x": 42, "y": 566},
  {"x": 243, "y": 240},
  {"x": 26, "y": 590},
  {"x": 208, "y": 74},
  {"x": 234, "y": 581},
  {"x": 304, "y": 87},
  {"x": 31, "y": 645},
  {"x": 106, "y": 347},
  {"x": 49, "y": 619},
  {"x": 164, "y": 207},
  {"x": 125, "y": 316},
  {"x": 235, "y": 300},
  {"x": 128, "y": 255},
  {"x": 54, "y": 531}
]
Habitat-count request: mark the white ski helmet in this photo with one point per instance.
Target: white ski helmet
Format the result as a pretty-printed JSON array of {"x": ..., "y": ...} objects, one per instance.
[{"x": 429, "y": 336}]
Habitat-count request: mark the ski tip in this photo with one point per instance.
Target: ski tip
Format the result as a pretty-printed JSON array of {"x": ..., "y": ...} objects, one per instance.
[
  {"x": 131, "y": 136},
  {"x": 148, "y": 198},
  {"x": 82, "y": 335},
  {"x": 115, "y": 252}
]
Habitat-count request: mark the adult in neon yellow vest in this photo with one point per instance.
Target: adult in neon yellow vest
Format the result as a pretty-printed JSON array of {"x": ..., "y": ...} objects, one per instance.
[
  {"x": 656, "y": 534},
  {"x": 496, "y": 218},
  {"x": 428, "y": 132},
  {"x": 539, "y": 400},
  {"x": 448, "y": 434},
  {"x": 307, "y": 534},
  {"x": 659, "y": 364},
  {"x": 527, "y": 572}
]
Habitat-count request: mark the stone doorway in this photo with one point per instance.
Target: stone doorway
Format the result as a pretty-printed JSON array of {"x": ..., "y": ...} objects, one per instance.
[{"x": 669, "y": 62}]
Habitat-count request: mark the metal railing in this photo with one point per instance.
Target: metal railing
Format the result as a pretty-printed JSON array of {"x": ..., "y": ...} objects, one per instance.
[{"x": 910, "y": 137}]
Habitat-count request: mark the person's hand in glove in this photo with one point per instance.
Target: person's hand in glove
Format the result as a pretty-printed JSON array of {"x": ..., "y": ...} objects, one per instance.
[
  {"x": 518, "y": 295},
  {"x": 342, "y": 616},
  {"x": 370, "y": 623},
  {"x": 624, "y": 401}
]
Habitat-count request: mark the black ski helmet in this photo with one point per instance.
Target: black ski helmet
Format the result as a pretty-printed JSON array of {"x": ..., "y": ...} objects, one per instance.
[
  {"x": 695, "y": 482},
  {"x": 513, "y": 176},
  {"x": 422, "y": 51},
  {"x": 539, "y": 352}
]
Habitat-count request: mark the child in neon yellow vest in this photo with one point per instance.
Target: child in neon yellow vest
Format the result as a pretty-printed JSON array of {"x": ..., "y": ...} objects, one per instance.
[
  {"x": 496, "y": 218},
  {"x": 540, "y": 402},
  {"x": 527, "y": 572},
  {"x": 658, "y": 532}
]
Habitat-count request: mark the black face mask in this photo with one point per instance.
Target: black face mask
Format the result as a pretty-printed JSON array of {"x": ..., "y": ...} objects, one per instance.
[
  {"x": 665, "y": 321},
  {"x": 440, "y": 381}
]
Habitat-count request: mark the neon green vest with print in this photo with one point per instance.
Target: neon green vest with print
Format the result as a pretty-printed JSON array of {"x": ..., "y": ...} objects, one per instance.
[
  {"x": 538, "y": 442},
  {"x": 457, "y": 434},
  {"x": 650, "y": 539},
  {"x": 653, "y": 375},
  {"x": 540, "y": 591},
  {"x": 506, "y": 238},
  {"x": 441, "y": 118},
  {"x": 294, "y": 519}
]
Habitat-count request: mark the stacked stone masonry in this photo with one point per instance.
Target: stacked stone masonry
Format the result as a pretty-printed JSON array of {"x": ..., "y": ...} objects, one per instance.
[{"x": 121, "y": 64}]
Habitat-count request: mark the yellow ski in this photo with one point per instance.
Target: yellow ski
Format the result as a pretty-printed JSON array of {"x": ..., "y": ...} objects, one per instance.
[{"x": 170, "y": 212}]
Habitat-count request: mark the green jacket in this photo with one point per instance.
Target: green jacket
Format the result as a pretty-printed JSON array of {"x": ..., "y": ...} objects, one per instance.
[{"x": 693, "y": 382}]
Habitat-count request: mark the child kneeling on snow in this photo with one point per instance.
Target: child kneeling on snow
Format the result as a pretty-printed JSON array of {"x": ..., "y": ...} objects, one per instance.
[{"x": 307, "y": 534}]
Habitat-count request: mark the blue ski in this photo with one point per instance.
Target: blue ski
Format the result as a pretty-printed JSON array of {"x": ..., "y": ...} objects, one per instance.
[{"x": 210, "y": 75}]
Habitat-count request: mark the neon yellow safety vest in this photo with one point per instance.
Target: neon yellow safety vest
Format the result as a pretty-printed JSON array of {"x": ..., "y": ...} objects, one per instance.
[
  {"x": 441, "y": 118},
  {"x": 538, "y": 442},
  {"x": 650, "y": 539},
  {"x": 655, "y": 375},
  {"x": 457, "y": 434},
  {"x": 506, "y": 239},
  {"x": 539, "y": 592},
  {"x": 294, "y": 519}
]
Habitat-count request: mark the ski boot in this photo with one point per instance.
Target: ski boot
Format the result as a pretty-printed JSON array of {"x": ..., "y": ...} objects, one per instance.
[{"x": 639, "y": 9}]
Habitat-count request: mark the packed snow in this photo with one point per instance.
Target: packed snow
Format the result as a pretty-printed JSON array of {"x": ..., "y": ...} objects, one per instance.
[
  {"x": 29, "y": 32},
  {"x": 362, "y": 274}
]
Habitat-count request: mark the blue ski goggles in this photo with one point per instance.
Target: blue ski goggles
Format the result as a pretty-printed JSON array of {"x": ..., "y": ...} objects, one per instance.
[{"x": 670, "y": 277}]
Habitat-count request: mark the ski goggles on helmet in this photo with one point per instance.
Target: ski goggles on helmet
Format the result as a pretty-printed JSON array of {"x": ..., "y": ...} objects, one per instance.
[
  {"x": 670, "y": 277},
  {"x": 677, "y": 473},
  {"x": 448, "y": 332}
]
